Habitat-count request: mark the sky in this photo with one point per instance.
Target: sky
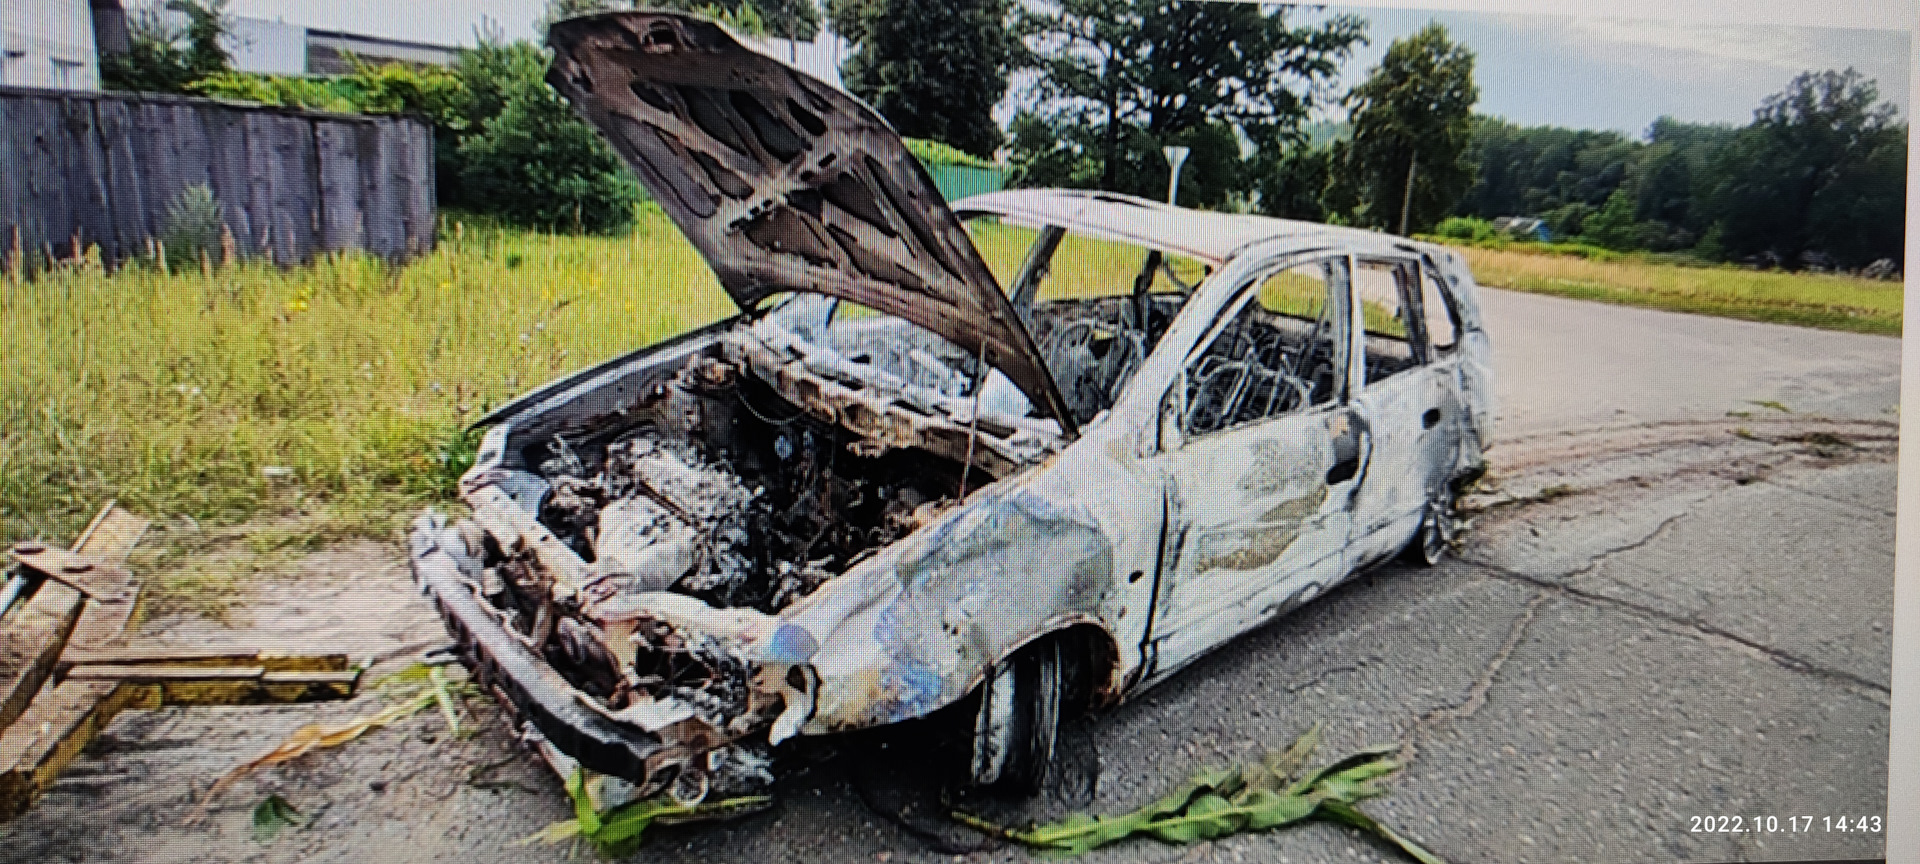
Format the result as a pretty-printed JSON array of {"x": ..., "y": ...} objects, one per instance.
[
  {"x": 1621, "y": 74},
  {"x": 1713, "y": 66}
]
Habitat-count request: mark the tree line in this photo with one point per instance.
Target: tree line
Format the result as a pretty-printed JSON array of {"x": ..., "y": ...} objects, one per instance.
[{"x": 1816, "y": 179}]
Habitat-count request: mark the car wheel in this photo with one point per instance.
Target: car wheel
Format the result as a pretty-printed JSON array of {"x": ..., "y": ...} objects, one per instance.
[
  {"x": 1019, "y": 720},
  {"x": 1431, "y": 542}
]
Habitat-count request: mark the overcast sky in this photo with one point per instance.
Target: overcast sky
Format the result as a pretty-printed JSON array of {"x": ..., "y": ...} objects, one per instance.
[{"x": 1602, "y": 73}]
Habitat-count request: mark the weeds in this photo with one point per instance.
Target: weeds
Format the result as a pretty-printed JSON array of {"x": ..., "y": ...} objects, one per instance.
[
  {"x": 176, "y": 390},
  {"x": 1553, "y": 493},
  {"x": 1273, "y": 793},
  {"x": 615, "y": 832},
  {"x": 272, "y": 814},
  {"x": 314, "y": 736}
]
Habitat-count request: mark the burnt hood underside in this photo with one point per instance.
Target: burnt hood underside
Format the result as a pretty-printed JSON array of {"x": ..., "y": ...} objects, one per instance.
[{"x": 784, "y": 183}]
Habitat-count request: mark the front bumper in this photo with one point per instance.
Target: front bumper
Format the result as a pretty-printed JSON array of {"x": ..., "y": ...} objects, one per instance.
[{"x": 518, "y": 676}]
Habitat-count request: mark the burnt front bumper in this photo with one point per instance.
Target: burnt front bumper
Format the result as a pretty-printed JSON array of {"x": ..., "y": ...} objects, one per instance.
[{"x": 505, "y": 665}]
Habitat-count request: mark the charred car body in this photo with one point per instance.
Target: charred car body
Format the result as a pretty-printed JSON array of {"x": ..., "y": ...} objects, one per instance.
[{"x": 891, "y": 486}]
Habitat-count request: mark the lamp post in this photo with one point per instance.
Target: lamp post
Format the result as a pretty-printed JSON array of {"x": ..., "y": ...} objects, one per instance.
[{"x": 1175, "y": 156}]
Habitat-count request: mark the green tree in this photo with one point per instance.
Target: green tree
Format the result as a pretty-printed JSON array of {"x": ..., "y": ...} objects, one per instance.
[
  {"x": 527, "y": 158},
  {"x": 1294, "y": 185},
  {"x": 788, "y": 19},
  {"x": 1411, "y": 123},
  {"x": 164, "y": 57},
  {"x": 933, "y": 68},
  {"x": 1119, "y": 79},
  {"x": 1614, "y": 226},
  {"x": 1819, "y": 173}
]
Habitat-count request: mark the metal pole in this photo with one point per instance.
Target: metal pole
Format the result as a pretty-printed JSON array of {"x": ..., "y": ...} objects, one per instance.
[
  {"x": 16, "y": 586},
  {"x": 1175, "y": 156},
  {"x": 1406, "y": 199}
]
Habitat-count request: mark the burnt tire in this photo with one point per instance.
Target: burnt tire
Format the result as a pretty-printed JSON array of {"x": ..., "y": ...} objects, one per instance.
[
  {"x": 1435, "y": 537},
  {"x": 1018, "y": 722}
]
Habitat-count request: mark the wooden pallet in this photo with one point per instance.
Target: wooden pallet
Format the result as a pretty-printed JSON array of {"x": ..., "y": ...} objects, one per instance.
[{"x": 81, "y": 671}]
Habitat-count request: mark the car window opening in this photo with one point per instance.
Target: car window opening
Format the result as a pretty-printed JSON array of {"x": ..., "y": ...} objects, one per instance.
[
  {"x": 1282, "y": 353},
  {"x": 1384, "y": 289},
  {"x": 1096, "y": 308}
]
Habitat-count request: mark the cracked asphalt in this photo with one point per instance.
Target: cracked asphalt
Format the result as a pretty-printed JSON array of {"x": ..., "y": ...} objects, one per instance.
[{"x": 1675, "y": 602}]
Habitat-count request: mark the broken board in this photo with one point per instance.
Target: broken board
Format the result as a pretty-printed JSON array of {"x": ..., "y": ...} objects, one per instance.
[{"x": 69, "y": 669}]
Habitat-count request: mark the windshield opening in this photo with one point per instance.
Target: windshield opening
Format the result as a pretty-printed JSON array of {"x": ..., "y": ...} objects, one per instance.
[{"x": 1096, "y": 308}]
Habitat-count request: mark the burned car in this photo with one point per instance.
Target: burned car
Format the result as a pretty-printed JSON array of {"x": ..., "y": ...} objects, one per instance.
[{"x": 892, "y": 485}]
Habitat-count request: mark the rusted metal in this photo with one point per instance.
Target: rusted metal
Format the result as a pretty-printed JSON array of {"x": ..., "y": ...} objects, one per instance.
[{"x": 785, "y": 183}]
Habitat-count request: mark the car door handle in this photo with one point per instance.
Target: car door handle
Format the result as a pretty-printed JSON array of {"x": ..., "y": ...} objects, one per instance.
[
  {"x": 1343, "y": 470},
  {"x": 1430, "y": 419}
]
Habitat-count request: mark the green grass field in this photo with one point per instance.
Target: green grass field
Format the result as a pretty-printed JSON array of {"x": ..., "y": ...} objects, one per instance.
[
  {"x": 1806, "y": 299},
  {"x": 328, "y": 400}
]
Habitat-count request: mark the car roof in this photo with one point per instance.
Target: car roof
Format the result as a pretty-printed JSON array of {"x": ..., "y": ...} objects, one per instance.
[{"x": 1211, "y": 237}]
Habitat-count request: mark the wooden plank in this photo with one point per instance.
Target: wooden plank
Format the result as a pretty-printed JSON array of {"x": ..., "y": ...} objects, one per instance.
[
  {"x": 126, "y": 193},
  {"x": 147, "y": 136},
  {"x": 341, "y": 219},
  {"x": 226, "y": 135},
  {"x": 384, "y": 211},
  {"x": 151, "y": 673},
  {"x": 271, "y": 688},
  {"x": 273, "y": 662},
  {"x": 39, "y": 630},
  {"x": 42, "y": 211},
  {"x": 419, "y": 187},
  {"x": 296, "y": 201},
  {"x": 346, "y": 676},
  {"x": 90, "y": 576},
  {"x": 86, "y": 178},
  {"x": 112, "y": 535},
  {"x": 53, "y": 732},
  {"x": 260, "y": 183},
  {"x": 30, "y": 645},
  {"x": 285, "y": 189},
  {"x": 11, "y": 188},
  {"x": 173, "y": 155}
]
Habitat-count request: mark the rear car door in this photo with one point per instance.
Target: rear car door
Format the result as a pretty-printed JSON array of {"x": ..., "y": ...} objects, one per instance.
[
  {"x": 1260, "y": 451},
  {"x": 1408, "y": 403}
]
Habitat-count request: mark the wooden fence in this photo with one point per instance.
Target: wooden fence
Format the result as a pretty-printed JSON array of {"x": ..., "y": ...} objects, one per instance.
[{"x": 103, "y": 168}]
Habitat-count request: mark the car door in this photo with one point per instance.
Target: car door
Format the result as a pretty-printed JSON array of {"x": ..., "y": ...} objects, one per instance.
[
  {"x": 1260, "y": 452},
  {"x": 1405, "y": 400}
]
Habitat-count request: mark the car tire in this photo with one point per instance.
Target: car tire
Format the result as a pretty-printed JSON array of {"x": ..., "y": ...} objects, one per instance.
[
  {"x": 1435, "y": 537},
  {"x": 1018, "y": 721}
]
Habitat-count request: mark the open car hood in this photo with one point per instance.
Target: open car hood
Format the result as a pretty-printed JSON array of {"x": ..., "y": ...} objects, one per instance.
[{"x": 785, "y": 183}]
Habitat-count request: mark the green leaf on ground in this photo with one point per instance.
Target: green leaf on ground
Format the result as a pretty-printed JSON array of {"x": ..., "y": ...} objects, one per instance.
[
  {"x": 272, "y": 814},
  {"x": 615, "y": 832},
  {"x": 1222, "y": 801}
]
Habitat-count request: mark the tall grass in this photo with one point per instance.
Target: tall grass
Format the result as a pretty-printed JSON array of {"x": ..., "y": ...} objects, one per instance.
[
  {"x": 220, "y": 395},
  {"x": 1806, "y": 299}
]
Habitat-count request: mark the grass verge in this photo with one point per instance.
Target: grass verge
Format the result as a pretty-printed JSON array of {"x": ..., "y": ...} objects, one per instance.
[{"x": 1825, "y": 301}]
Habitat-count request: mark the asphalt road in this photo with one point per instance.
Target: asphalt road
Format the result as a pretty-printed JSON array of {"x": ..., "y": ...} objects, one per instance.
[{"x": 1664, "y": 611}]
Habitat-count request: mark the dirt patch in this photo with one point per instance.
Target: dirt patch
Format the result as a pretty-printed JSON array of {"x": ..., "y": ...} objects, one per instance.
[
  {"x": 354, "y": 597},
  {"x": 131, "y": 797}
]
